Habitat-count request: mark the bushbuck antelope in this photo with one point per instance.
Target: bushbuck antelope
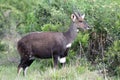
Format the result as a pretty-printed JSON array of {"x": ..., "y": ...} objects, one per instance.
[{"x": 46, "y": 45}]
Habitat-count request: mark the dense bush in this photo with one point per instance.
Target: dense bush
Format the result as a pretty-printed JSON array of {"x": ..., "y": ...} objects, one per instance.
[
  {"x": 105, "y": 21},
  {"x": 113, "y": 58},
  {"x": 2, "y": 46}
]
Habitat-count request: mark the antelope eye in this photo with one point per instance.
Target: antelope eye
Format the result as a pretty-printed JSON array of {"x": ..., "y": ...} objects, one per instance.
[{"x": 80, "y": 21}]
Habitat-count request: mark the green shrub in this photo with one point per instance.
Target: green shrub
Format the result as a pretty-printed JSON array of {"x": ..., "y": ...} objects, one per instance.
[
  {"x": 2, "y": 46},
  {"x": 50, "y": 27},
  {"x": 113, "y": 58}
]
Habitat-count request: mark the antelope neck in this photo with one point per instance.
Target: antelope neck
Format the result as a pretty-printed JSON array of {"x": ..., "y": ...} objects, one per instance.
[{"x": 71, "y": 33}]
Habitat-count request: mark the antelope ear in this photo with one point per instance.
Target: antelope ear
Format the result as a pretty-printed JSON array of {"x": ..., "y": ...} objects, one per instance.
[
  {"x": 83, "y": 16},
  {"x": 73, "y": 17}
]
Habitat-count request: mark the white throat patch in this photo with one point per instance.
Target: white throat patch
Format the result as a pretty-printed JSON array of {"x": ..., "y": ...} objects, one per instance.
[
  {"x": 62, "y": 60},
  {"x": 77, "y": 30},
  {"x": 68, "y": 45}
]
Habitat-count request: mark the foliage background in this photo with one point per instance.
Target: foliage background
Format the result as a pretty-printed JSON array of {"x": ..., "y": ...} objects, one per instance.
[{"x": 19, "y": 17}]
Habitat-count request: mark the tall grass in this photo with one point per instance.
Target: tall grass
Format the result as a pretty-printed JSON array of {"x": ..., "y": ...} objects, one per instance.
[{"x": 73, "y": 71}]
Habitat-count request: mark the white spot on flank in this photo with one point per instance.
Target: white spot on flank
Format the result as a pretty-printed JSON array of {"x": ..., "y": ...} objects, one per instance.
[
  {"x": 62, "y": 60},
  {"x": 68, "y": 45}
]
